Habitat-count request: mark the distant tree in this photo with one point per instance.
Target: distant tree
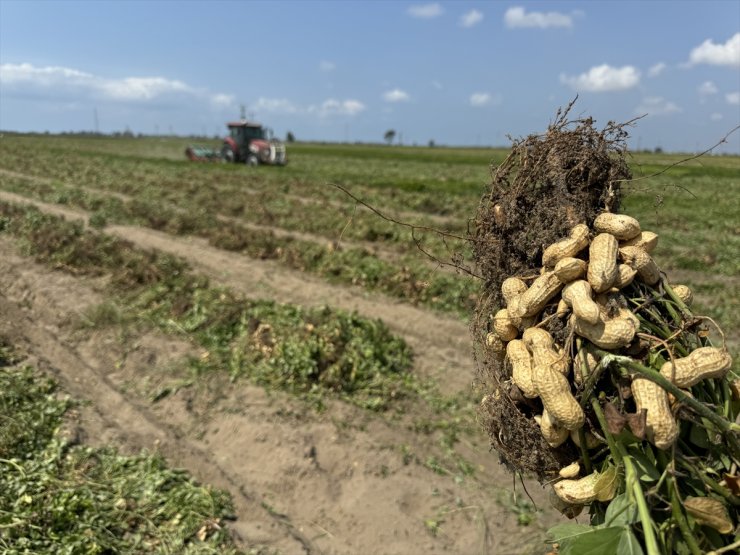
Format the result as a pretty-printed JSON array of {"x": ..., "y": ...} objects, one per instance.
[
  {"x": 289, "y": 137},
  {"x": 431, "y": 143},
  {"x": 658, "y": 150},
  {"x": 389, "y": 136}
]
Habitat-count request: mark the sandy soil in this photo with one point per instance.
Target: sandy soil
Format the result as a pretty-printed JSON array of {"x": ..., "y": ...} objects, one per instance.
[{"x": 342, "y": 481}]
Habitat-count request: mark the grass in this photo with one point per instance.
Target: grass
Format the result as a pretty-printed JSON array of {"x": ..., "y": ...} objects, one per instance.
[{"x": 62, "y": 498}]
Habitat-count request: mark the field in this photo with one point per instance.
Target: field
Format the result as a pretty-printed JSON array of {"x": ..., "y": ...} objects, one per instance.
[{"x": 278, "y": 340}]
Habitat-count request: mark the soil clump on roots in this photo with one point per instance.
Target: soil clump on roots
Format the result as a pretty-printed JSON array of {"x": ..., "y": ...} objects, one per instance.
[{"x": 548, "y": 183}]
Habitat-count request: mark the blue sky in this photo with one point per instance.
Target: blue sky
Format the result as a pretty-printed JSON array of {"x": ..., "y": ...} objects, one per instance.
[{"x": 458, "y": 73}]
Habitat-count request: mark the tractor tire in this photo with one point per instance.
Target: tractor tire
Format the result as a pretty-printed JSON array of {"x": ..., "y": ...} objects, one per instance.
[
  {"x": 252, "y": 160},
  {"x": 227, "y": 154}
]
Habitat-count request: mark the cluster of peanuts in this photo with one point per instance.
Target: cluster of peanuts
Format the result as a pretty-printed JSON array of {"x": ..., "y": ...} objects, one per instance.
[{"x": 618, "y": 252}]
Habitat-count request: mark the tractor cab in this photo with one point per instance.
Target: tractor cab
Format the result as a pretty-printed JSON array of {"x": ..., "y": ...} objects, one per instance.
[{"x": 249, "y": 143}]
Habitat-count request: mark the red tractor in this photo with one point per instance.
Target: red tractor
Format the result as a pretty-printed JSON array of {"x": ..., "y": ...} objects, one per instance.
[{"x": 248, "y": 142}]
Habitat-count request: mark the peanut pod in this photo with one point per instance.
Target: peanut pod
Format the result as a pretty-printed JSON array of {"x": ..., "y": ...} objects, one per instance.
[
  {"x": 542, "y": 346},
  {"x": 578, "y": 296},
  {"x": 701, "y": 364},
  {"x": 625, "y": 275},
  {"x": 505, "y": 329},
  {"x": 554, "y": 390},
  {"x": 577, "y": 241},
  {"x": 660, "y": 426},
  {"x": 684, "y": 293},
  {"x": 562, "y": 310},
  {"x": 601, "y": 486},
  {"x": 554, "y": 434},
  {"x": 569, "y": 269},
  {"x": 602, "y": 263},
  {"x": 641, "y": 261},
  {"x": 646, "y": 240},
  {"x": 512, "y": 287},
  {"x": 521, "y": 367},
  {"x": 607, "y": 334},
  {"x": 570, "y": 471},
  {"x": 534, "y": 299},
  {"x": 621, "y": 226},
  {"x": 494, "y": 343}
]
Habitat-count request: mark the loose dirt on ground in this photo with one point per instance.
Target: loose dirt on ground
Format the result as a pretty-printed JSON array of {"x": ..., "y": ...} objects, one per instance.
[{"x": 341, "y": 481}]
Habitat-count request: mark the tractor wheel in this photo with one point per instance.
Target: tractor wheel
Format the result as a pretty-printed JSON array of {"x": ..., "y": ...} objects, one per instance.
[
  {"x": 252, "y": 160},
  {"x": 227, "y": 154}
]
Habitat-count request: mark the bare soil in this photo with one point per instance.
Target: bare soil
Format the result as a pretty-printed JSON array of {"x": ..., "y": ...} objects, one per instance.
[{"x": 341, "y": 481}]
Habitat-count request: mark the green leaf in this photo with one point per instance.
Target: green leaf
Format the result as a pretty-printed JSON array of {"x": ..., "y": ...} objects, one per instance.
[
  {"x": 621, "y": 511},
  {"x": 628, "y": 543},
  {"x": 646, "y": 468},
  {"x": 563, "y": 532},
  {"x": 698, "y": 436},
  {"x": 596, "y": 541}
]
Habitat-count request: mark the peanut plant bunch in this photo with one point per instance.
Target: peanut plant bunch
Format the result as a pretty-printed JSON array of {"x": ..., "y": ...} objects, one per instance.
[{"x": 605, "y": 355}]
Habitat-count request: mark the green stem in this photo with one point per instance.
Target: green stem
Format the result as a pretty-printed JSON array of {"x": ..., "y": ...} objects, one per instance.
[
  {"x": 633, "y": 485},
  {"x": 680, "y": 519},
  {"x": 725, "y": 549},
  {"x": 654, "y": 376},
  {"x": 584, "y": 452},
  {"x": 593, "y": 377},
  {"x": 675, "y": 298},
  {"x": 709, "y": 482},
  {"x": 616, "y": 453}
]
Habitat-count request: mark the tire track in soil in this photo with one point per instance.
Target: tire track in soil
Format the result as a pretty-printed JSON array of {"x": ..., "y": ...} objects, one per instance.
[
  {"x": 442, "y": 346},
  {"x": 133, "y": 425}
]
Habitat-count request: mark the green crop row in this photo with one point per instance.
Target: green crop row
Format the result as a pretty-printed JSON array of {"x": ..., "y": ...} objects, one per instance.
[
  {"x": 61, "y": 498},
  {"x": 306, "y": 351},
  {"x": 406, "y": 278}
]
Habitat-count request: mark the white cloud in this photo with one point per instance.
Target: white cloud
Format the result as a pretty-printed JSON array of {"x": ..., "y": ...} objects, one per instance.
[
  {"x": 223, "y": 100},
  {"x": 603, "y": 78},
  {"x": 327, "y": 66},
  {"x": 437, "y": 85},
  {"x": 707, "y": 88},
  {"x": 57, "y": 81},
  {"x": 716, "y": 116},
  {"x": 334, "y": 107},
  {"x": 44, "y": 76},
  {"x": 473, "y": 17},
  {"x": 657, "y": 106},
  {"x": 396, "y": 95},
  {"x": 141, "y": 88},
  {"x": 275, "y": 106},
  {"x": 484, "y": 99},
  {"x": 727, "y": 54},
  {"x": 517, "y": 16},
  {"x": 425, "y": 11},
  {"x": 656, "y": 70},
  {"x": 480, "y": 99},
  {"x": 733, "y": 98}
]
